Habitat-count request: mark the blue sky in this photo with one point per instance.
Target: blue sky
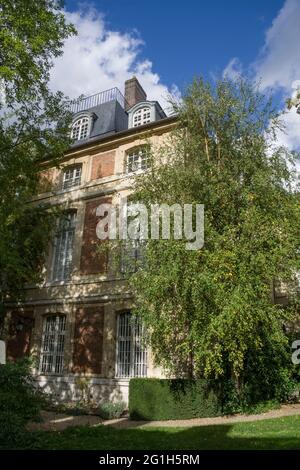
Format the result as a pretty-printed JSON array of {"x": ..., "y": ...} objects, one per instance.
[
  {"x": 165, "y": 43},
  {"x": 192, "y": 37}
]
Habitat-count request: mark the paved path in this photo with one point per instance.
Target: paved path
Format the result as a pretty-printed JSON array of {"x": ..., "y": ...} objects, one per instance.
[
  {"x": 58, "y": 421},
  {"x": 285, "y": 410}
]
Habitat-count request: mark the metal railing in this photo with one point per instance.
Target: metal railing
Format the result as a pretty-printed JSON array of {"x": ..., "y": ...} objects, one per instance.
[{"x": 84, "y": 103}]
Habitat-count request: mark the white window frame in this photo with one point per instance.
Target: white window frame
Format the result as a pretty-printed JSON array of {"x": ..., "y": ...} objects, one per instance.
[
  {"x": 137, "y": 160},
  {"x": 72, "y": 176},
  {"x": 81, "y": 128},
  {"x": 141, "y": 116},
  {"x": 63, "y": 248},
  {"x": 131, "y": 353},
  {"x": 53, "y": 342}
]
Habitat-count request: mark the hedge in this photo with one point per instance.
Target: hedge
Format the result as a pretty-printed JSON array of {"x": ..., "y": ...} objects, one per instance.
[{"x": 162, "y": 399}]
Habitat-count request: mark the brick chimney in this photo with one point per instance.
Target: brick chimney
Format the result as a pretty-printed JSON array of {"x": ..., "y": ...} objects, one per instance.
[{"x": 134, "y": 93}]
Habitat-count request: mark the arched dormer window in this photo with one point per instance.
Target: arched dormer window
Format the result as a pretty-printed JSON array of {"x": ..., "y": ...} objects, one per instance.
[
  {"x": 81, "y": 127},
  {"x": 141, "y": 116}
]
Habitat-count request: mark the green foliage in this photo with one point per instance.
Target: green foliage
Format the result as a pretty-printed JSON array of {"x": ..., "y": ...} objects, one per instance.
[
  {"x": 109, "y": 410},
  {"x": 34, "y": 127},
  {"x": 209, "y": 312},
  {"x": 162, "y": 399},
  {"x": 20, "y": 401}
]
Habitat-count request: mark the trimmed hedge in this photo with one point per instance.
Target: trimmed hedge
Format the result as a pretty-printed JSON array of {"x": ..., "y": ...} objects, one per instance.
[{"x": 162, "y": 399}]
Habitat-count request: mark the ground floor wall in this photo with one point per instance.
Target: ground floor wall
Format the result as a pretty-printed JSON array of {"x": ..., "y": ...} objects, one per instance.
[
  {"x": 92, "y": 390},
  {"x": 85, "y": 366}
]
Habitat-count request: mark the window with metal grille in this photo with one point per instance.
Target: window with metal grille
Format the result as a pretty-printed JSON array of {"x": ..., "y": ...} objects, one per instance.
[
  {"x": 63, "y": 248},
  {"x": 72, "y": 177},
  {"x": 53, "y": 339},
  {"x": 142, "y": 116},
  {"x": 137, "y": 159},
  {"x": 80, "y": 128},
  {"x": 131, "y": 351}
]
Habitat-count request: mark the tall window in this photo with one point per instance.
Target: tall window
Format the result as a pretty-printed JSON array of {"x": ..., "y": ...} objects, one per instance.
[
  {"x": 72, "y": 177},
  {"x": 80, "y": 128},
  {"x": 131, "y": 352},
  {"x": 137, "y": 159},
  {"x": 132, "y": 256},
  {"x": 63, "y": 249},
  {"x": 142, "y": 116},
  {"x": 53, "y": 339}
]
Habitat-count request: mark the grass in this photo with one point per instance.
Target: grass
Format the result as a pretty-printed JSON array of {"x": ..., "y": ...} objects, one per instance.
[{"x": 279, "y": 433}]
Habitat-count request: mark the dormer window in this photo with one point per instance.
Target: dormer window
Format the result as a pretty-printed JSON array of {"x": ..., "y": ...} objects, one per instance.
[
  {"x": 72, "y": 176},
  {"x": 81, "y": 128},
  {"x": 142, "y": 116}
]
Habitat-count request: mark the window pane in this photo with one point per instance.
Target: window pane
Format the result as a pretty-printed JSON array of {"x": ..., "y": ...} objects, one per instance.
[
  {"x": 138, "y": 159},
  {"x": 80, "y": 128},
  {"x": 72, "y": 177},
  {"x": 63, "y": 251},
  {"x": 142, "y": 116}
]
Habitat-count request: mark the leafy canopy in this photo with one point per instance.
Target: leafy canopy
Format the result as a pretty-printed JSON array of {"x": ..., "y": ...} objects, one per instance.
[
  {"x": 208, "y": 310},
  {"x": 33, "y": 127}
]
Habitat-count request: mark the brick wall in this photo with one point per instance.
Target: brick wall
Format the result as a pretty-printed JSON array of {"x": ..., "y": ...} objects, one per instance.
[
  {"x": 88, "y": 340},
  {"x": 103, "y": 165},
  {"x": 19, "y": 335},
  {"x": 92, "y": 261}
]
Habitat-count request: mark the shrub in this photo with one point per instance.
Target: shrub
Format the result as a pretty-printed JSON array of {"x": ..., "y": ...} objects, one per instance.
[
  {"x": 110, "y": 410},
  {"x": 162, "y": 399},
  {"x": 20, "y": 401}
]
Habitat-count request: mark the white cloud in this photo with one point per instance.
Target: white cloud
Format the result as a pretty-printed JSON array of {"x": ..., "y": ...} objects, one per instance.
[
  {"x": 279, "y": 61},
  {"x": 233, "y": 69},
  {"x": 99, "y": 58},
  {"x": 278, "y": 66}
]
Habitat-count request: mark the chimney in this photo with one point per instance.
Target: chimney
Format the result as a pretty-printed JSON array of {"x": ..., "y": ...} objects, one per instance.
[{"x": 134, "y": 93}]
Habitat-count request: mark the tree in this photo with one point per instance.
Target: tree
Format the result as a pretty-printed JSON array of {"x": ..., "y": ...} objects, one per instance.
[
  {"x": 34, "y": 125},
  {"x": 208, "y": 311}
]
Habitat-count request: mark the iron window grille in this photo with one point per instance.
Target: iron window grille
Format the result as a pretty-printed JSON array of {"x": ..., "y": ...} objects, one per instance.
[
  {"x": 131, "y": 351},
  {"x": 53, "y": 340},
  {"x": 63, "y": 249}
]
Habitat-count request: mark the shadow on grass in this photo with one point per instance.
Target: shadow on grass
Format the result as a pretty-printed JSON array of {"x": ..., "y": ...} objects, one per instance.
[{"x": 283, "y": 433}]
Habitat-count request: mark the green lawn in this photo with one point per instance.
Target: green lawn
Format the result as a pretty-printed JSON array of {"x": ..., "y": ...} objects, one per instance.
[{"x": 281, "y": 433}]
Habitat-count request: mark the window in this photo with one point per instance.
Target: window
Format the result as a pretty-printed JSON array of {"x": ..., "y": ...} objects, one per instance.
[
  {"x": 131, "y": 352},
  {"x": 80, "y": 128},
  {"x": 142, "y": 116},
  {"x": 138, "y": 159},
  {"x": 63, "y": 250},
  {"x": 132, "y": 256},
  {"x": 53, "y": 339},
  {"x": 72, "y": 177}
]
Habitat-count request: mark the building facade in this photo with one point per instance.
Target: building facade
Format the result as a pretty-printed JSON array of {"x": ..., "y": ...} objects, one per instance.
[{"x": 77, "y": 323}]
